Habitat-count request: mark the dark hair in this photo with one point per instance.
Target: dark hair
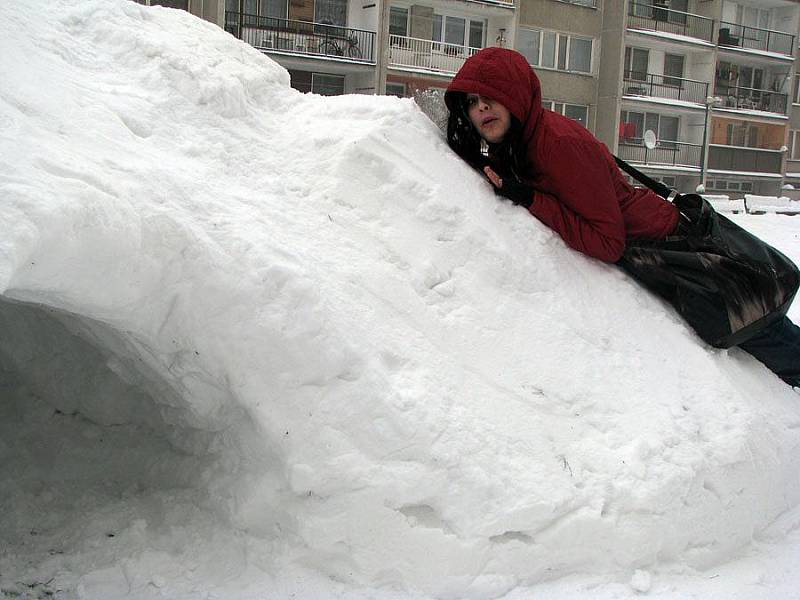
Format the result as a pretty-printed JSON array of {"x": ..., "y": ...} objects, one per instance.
[
  {"x": 461, "y": 135},
  {"x": 507, "y": 158}
]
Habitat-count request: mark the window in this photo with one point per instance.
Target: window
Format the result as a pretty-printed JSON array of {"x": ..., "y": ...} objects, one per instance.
[
  {"x": 580, "y": 55},
  {"x": 636, "y": 63},
  {"x": 476, "y": 34},
  {"x": 576, "y": 112},
  {"x": 673, "y": 69},
  {"x": 317, "y": 83},
  {"x": 679, "y": 8},
  {"x": 666, "y": 128},
  {"x": 330, "y": 12},
  {"x": 396, "y": 89},
  {"x": 454, "y": 30},
  {"x": 723, "y": 185},
  {"x": 744, "y": 134},
  {"x": 459, "y": 30},
  {"x": 398, "y": 21},
  {"x": 182, "y": 4},
  {"x": 796, "y": 98},
  {"x": 794, "y": 144},
  {"x": 327, "y": 85},
  {"x": 265, "y": 8},
  {"x": 559, "y": 51}
]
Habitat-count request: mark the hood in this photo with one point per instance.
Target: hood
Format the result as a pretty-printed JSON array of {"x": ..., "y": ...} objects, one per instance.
[{"x": 505, "y": 76}]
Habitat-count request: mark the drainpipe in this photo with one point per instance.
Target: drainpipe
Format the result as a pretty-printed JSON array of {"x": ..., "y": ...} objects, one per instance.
[{"x": 701, "y": 188}]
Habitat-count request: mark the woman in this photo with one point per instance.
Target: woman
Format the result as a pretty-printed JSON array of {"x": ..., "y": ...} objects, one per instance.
[{"x": 567, "y": 178}]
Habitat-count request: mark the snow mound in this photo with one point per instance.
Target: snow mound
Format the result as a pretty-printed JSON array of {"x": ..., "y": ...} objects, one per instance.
[{"x": 325, "y": 328}]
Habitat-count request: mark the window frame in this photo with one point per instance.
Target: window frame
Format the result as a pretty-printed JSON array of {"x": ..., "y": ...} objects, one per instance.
[
  {"x": 648, "y": 117},
  {"x": 441, "y": 18},
  {"x": 794, "y": 145},
  {"x": 629, "y": 61},
  {"x": 561, "y": 49},
  {"x": 560, "y": 107}
]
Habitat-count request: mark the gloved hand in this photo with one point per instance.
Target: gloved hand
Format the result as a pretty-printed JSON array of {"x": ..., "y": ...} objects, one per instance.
[{"x": 519, "y": 193}]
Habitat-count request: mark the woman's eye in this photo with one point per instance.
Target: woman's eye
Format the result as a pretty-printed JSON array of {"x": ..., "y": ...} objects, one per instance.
[{"x": 471, "y": 100}]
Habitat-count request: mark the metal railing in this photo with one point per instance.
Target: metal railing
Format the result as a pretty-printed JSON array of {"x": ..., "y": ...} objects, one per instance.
[
  {"x": 674, "y": 154},
  {"x": 509, "y": 3},
  {"x": 588, "y": 3},
  {"x": 657, "y": 17},
  {"x": 427, "y": 55},
  {"x": 302, "y": 37},
  {"x": 734, "y": 158},
  {"x": 744, "y": 98},
  {"x": 755, "y": 38},
  {"x": 637, "y": 83}
]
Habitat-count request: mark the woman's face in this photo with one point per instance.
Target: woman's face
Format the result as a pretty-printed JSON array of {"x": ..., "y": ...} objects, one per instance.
[{"x": 490, "y": 118}]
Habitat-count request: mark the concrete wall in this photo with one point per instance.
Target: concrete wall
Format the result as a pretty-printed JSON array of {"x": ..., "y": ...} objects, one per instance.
[{"x": 610, "y": 72}]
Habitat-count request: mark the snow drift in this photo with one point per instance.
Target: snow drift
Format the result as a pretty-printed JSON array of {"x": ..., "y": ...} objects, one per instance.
[{"x": 322, "y": 326}]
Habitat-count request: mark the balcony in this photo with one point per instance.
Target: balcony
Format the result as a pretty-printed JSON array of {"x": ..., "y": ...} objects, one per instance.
[
  {"x": 655, "y": 17},
  {"x": 427, "y": 55},
  {"x": 752, "y": 38},
  {"x": 271, "y": 34},
  {"x": 636, "y": 83},
  {"x": 744, "y": 98},
  {"x": 744, "y": 160},
  {"x": 666, "y": 153}
]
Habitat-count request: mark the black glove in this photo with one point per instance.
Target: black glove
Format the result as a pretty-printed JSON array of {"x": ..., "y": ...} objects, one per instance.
[{"x": 518, "y": 193}]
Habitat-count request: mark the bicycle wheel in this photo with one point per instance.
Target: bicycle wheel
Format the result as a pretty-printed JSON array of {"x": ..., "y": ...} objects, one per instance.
[
  {"x": 330, "y": 48},
  {"x": 354, "y": 51}
]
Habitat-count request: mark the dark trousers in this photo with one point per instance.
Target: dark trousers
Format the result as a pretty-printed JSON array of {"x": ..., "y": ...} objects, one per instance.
[{"x": 778, "y": 347}]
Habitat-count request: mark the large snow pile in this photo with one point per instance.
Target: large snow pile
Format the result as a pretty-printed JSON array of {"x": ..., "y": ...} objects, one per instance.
[{"x": 305, "y": 316}]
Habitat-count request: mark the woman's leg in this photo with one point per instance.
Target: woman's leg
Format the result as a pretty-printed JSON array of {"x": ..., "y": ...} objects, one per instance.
[{"x": 778, "y": 347}]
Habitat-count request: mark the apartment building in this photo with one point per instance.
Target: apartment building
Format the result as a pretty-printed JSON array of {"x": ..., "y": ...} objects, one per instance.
[
  {"x": 427, "y": 41},
  {"x": 713, "y": 80},
  {"x": 370, "y": 46}
]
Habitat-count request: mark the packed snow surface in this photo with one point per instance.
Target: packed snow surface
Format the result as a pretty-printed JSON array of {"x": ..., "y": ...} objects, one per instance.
[{"x": 248, "y": 332}]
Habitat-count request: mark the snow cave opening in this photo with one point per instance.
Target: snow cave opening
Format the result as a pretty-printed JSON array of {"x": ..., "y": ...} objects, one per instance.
[{"x": 88, "y": 430}]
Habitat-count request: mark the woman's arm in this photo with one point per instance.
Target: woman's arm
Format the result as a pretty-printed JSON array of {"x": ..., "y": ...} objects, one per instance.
[{"x": 583, "y": 207}]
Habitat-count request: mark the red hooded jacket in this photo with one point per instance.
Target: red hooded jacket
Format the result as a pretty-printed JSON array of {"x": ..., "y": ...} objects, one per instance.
[{"x": 580, "y": 192}]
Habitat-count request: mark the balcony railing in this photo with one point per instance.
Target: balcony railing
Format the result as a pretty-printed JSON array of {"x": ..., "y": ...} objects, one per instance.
[
  {"x": 744, "y": 98},
  {"x": 754, "y": 38},
  {"x": 636, "y": 83},
  {"x": 302, "y": 37},
  {"x": 666, "y": 153},
  {"x": 508, "y": 3},
  {"x": 427, "y": 55},
  {"x": 747, "y": 160},
  {"x": 655, "y": 17},
  {"x": 587, "y": 3}
]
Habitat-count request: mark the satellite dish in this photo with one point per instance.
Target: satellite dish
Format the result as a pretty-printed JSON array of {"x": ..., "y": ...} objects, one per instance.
[{"x": 649, "y": 139}]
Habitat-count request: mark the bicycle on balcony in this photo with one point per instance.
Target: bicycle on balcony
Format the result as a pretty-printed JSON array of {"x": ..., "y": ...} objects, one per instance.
[{"x": 338, "y": 46}]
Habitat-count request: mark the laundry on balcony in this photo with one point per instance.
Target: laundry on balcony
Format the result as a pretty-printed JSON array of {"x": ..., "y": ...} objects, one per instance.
[{"x": 627, "y": 131}]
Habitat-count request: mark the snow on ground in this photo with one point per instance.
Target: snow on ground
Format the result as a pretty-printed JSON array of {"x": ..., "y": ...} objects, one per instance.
[{"x": 260, "y": 344}]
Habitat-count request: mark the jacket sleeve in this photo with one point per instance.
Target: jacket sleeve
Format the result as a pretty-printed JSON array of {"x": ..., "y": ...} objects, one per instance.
[{"x": 583, "y": 206}]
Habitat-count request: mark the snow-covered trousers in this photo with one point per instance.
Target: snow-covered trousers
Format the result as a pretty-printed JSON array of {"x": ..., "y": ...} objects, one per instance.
[{"x": 778, "y": 347}]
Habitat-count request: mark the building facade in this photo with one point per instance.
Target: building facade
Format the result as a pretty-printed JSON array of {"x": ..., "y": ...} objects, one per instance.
[{"x": 712, "y": 81}]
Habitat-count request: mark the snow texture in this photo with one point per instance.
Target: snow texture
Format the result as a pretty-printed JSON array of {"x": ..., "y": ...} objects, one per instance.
[{"x": 255, "y": 342}]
